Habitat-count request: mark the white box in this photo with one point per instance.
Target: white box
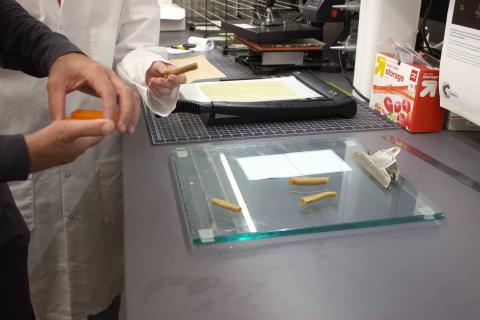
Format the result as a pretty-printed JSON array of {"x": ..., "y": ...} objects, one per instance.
[{"x": 172, "y": 17}]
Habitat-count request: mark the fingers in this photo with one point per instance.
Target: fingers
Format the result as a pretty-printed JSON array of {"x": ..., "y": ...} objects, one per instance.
[
  {"x": 74, "y": 149},
  {"x": 111, "y": 90},
  {"x": 71, "y": 130},
  {"x": 177, "y": 80},
  {"x": 56, "y": 98},
  {"x": 129, "y": 104},
  {"x": 156, "y": 70},
  {"x": 81, "y": 145},
  {"x": 164, "y": 87},
  {"x": 160, "y": 68},
  {"x": 136, "y": 114},
  {"x": 77, "y": 72},
  {"x": 103, "y": 85},
  {"x": 160, "y": 87}
]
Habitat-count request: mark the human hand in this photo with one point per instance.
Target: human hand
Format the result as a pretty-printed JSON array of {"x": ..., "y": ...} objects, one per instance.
[
  {"x": 156, "y": 81},
  {"x": 64, "y": 140},
  {"x": 74, "y": 71}
]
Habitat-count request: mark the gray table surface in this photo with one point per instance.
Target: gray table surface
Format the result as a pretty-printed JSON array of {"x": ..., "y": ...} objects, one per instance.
[{"x": 415, "y": 271}]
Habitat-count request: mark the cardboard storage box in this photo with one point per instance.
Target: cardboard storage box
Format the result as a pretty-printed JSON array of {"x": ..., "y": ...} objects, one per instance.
[{"x": 407, "y": 94}]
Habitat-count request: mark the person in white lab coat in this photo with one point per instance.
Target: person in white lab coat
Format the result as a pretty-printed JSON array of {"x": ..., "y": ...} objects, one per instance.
[{"x": 75, "y": 211}]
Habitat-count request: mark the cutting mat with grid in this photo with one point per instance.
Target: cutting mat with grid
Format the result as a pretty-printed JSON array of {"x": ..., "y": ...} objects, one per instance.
[{"x": 189, "y": 128}]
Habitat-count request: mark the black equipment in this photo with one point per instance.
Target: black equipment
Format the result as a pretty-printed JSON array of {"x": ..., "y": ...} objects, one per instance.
[
  {"x": 332, "y": 103},
  {"x": 317, "y": 12}
]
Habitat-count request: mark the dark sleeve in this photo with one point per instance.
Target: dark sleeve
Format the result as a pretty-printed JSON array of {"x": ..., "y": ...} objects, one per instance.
[
  {"x": 27, "y": 44},
  {"x": 14, "y": 161}
]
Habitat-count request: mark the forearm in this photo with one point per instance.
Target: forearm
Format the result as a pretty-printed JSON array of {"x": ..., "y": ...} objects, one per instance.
[
  {"x": 14, "y": 160},
  {"x": 27, "y": 44}
]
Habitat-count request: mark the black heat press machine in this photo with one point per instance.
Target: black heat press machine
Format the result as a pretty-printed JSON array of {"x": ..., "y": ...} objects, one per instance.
[
  {"x": 265, "y": 37},
  {"x": 314, "y": 15},
  {"x": 330, "y": 103}
]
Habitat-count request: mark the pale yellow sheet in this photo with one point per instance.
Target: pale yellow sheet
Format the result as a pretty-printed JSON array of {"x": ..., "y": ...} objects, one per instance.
[
  {"x": 248, "y": 91},
  {"x": 205, "y": 69}
]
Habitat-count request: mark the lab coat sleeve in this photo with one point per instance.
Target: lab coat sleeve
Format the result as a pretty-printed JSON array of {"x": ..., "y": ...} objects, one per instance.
[
  {"x": 14, "y": 160},
  {"x": 132, "y": 69},
  {"x": 138, "y": 47}
]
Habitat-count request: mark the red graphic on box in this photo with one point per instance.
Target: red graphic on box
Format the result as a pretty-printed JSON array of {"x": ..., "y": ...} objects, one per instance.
[{"x": 413, "y": 75}]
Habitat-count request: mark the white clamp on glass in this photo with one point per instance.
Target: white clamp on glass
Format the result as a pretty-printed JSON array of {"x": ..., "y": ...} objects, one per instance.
[{"x": 382, "y": 165}]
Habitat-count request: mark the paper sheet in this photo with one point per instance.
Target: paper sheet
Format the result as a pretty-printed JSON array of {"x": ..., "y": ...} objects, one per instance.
[
  {"x": 271, "y": 89},
  {"x": 292, "y": 164},
  {"x": 460, "y": 64},
  {"x": 267, "y": 167},
  {"x": 205, "y": 69}
]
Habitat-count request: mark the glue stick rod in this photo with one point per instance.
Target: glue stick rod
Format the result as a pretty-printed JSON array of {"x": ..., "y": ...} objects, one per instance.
[{"x": 182, "y": 70}]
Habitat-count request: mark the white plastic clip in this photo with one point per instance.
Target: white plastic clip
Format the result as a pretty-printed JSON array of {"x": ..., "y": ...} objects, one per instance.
[
  {"x": 206, "y": 235},
  {"x": 382, "y": 165},
  {"x": 427, "y": 212},
  {"x": 182, "y": 153}
]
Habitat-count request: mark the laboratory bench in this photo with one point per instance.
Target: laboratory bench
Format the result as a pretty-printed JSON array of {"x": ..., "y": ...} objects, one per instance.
[{"x": 425, "y": 270}]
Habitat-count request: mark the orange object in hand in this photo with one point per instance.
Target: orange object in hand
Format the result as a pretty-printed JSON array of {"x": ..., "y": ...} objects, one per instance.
[{"x": 84, "y": 114}]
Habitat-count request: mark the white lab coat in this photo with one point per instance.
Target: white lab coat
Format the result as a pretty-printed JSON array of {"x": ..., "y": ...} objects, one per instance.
[{"x": 75, "y": 211}]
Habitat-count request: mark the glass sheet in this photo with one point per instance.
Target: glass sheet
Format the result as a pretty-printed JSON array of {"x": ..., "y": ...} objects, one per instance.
[{"x": 271, "y": 207}]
